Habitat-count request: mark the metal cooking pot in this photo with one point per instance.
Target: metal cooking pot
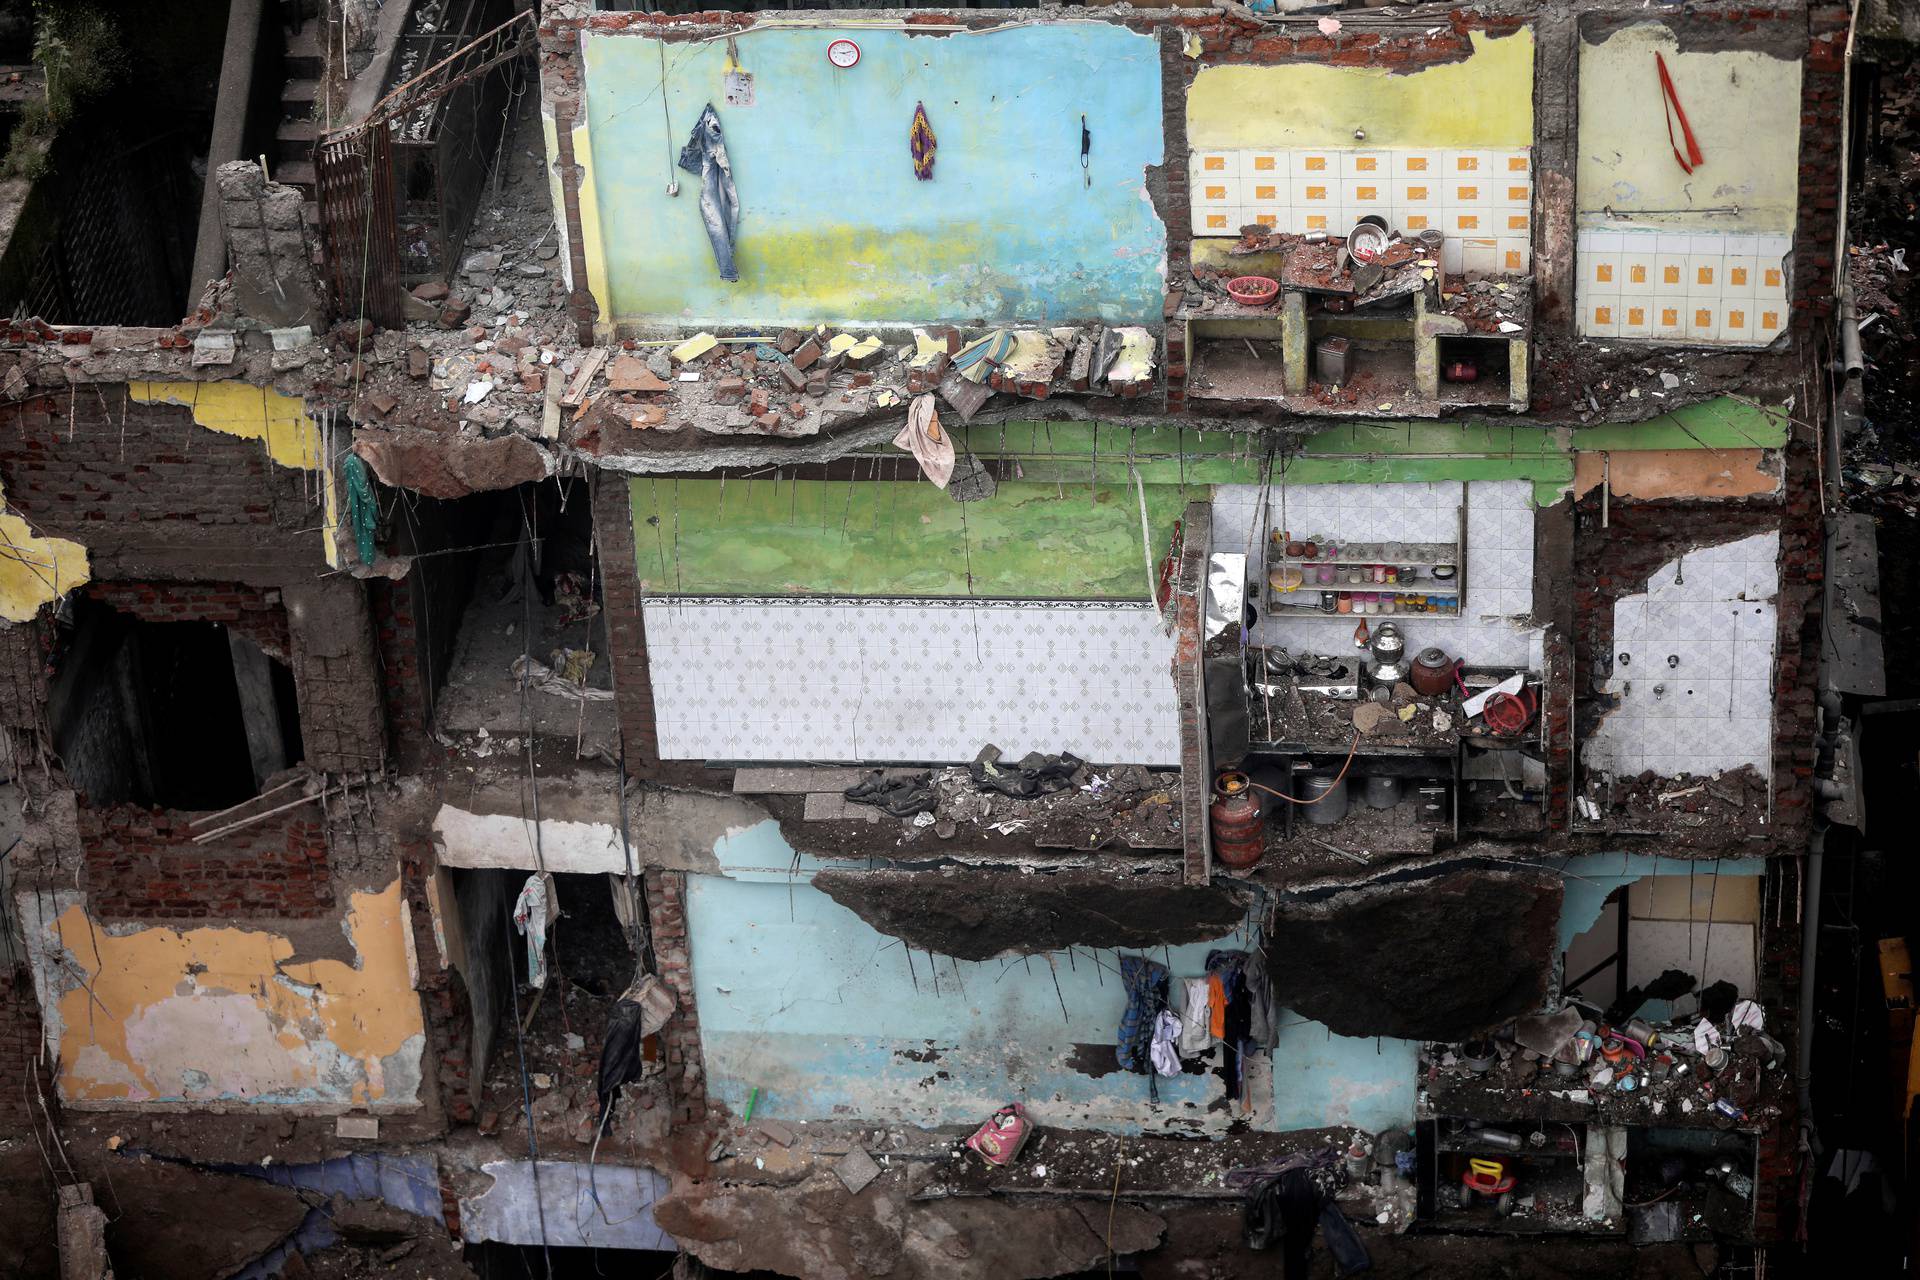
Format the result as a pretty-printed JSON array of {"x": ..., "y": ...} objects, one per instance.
[{"x": 1389, "y": 650}]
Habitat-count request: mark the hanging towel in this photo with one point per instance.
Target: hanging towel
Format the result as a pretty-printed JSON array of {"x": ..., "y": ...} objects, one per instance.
[
  {"x": 921, "y": 142},
  {"x": 537, "y": 907},
  {"x": 1195, "y": 1019},
  {"x": 705, "y": 156},
  {"x": 1216, "y": 1006},
  {"x": 928, "y": 441},
  {"x": 1166, "y": 1037}
]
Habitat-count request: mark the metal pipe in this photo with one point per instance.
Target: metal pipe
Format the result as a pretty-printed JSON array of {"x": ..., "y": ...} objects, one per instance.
[
  {"x": 1852, "y": 359},
  {"x": 229, "y": 133},
  {"x": 1809, "y": 990}
]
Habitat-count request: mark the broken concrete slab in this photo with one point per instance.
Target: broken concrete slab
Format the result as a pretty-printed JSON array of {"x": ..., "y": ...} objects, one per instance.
[
  {"x": 1443, "y": 958},
  {"x": 973, "y": 913},
  {"x": 438, "y": 466}
]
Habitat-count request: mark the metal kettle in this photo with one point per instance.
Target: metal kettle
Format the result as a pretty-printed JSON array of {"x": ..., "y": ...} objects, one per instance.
[{"x": 1389, "y": 652}]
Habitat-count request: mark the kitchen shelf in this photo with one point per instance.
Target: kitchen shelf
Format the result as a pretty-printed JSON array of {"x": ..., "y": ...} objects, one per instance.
[
  {"x": 1394, "y": 553},
  {"x": 1315, "y": 611}
]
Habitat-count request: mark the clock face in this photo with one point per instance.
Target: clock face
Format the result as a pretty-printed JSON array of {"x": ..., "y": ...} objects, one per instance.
[{"x": 843, "y": 53}]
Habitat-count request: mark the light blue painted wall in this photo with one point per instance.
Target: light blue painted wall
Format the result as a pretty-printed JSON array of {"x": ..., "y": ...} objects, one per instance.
[
  {"x": 802, "y": 999},
  {"x": 835, "y": 228},
  {"x": 1592, "y": 877}
]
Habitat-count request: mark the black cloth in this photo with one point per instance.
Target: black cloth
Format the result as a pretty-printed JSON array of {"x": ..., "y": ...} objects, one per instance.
[{"x": 619, "y": 1056}]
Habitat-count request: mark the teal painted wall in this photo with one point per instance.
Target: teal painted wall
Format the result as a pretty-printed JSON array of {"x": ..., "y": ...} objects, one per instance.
[
  {"x": 835, "y": 228},
  {"x": 803, "y": 1000}
]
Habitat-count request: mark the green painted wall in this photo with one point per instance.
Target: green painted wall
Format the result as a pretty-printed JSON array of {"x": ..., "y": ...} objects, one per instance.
[
  {"x": 896, "y": 538},
  {"x": 1070, "y": 527}
]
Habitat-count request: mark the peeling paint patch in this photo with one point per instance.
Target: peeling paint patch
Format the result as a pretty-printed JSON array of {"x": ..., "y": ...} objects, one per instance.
[
  {"x": 220, "y": 1015},
  {"x": 249, "y": 412},
  {"x": 35, "y": 570}
]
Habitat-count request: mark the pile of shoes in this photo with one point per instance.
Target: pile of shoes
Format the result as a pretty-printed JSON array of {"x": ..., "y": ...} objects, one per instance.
[
  {"x": 1035, "y": 775},
  {"x": 901, "y": 797}
]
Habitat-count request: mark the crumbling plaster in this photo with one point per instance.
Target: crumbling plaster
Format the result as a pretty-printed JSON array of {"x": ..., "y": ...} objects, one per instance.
[{"x": 223, "y": 1017}]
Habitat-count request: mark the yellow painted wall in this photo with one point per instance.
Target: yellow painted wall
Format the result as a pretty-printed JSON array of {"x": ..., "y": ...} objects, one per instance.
[
  {"x": 1484, "y": 101},
  {"x": 35, "y": 570},
  {"x": 222, "y": 1015},
  {"x": 1745, "y": 111}
]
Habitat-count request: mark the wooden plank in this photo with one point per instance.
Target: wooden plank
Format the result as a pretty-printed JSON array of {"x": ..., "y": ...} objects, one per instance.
[{"x": 590, "y": 363}]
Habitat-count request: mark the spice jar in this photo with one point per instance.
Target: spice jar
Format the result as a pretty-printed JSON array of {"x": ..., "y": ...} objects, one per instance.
[{"x": 1345, "y": 604}]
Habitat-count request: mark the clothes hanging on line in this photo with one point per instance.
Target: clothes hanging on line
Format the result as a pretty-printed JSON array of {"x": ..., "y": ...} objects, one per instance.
[
  {"x": 1196, "y": 1019},
  {"x": 534, "y": 912}
]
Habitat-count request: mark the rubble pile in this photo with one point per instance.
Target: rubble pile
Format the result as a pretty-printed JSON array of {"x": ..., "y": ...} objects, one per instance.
[{"x": 1725, "y": 1073}]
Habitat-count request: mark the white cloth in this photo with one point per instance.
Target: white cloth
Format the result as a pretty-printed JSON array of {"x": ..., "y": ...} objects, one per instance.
[
  {"x": 1166, "y": 1032},
  {"x": 1196, "y": 1020},
  {"x": 1705, "y": 1036},
  {"x": 1749, "y": 1016},
  {"x": 930, "y": 445},
  {"x": 537, "y": 907}
]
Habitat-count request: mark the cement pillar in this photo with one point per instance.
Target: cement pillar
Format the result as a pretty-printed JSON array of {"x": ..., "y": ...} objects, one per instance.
[
  {"x": 1293, "y": 340},
  {"x": 229, "y": 133}
]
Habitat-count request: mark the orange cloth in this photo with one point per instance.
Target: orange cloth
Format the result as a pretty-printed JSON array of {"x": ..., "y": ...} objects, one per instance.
[{"x": 1216, "y": 1007}]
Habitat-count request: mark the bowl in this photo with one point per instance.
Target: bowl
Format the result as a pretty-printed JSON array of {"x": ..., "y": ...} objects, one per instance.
[{"x": 1253, "y": 291}]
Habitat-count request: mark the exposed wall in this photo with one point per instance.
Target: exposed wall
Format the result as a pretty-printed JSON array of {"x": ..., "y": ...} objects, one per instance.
[
  {"x": 1743, "y": 104},
  {"x": 1306, "y": 146},
  {"x": 834, "y": 226},
  {"x": 1694, "y": 256},
  {"x": 801, "y": 999},
  {"x": 221, "y": 1016},
  {"x": 142, "y": 864},
  {"x": 1692, "y": 665},
  {"x": 1494, "y": 626},
  {"x": 898, "y": 537},
  {"x": 127, "y": 472}
]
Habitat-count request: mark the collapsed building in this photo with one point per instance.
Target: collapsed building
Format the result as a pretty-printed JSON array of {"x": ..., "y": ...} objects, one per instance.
[{"x": 713, "y": 598}]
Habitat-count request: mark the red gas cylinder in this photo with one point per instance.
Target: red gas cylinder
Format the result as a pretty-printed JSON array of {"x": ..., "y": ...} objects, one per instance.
[{"x": 1239, "y": 830}]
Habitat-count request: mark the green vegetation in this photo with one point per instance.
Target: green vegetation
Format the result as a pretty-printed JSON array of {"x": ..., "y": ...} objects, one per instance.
[{"x": 80, "y": 51}]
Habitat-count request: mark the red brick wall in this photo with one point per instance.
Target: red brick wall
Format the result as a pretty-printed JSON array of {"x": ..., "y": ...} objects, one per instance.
[
  {"x": 20, "y": 1048},
  {"x": 620, "y": 598},
  {"x": 254, "y": 612},
  {"x": 142, "y": 864},
  {"x": 686, "y": 1064},
  {"x": 138, "y": 484},
  {"x": 443, "y": 996},
  {"x": 400, "y": 676},
  {"x": 1822, "y": 118}
]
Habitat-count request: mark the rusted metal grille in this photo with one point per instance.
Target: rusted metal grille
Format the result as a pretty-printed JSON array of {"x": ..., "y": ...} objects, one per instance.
[{"x": 359, "y": 223}]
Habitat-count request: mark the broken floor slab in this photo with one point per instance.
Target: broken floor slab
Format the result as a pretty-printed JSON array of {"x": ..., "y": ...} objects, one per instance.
[
  {"x": 818, "y": 1228},
  {"x": 512, "y": 1209},
  {"x": 1463, "y": 951},
  {"x": 980, "y": 912}
]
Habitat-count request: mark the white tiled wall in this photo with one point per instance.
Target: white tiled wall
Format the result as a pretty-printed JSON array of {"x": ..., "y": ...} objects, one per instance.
[
  {"x": 1696, "y": 685},
  {"x": 1726, "y": 290},
  {"x": 1499, "y": 562},
  {"x": 1482, "y": 200},
  {"x": 896, "y": 680}
]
